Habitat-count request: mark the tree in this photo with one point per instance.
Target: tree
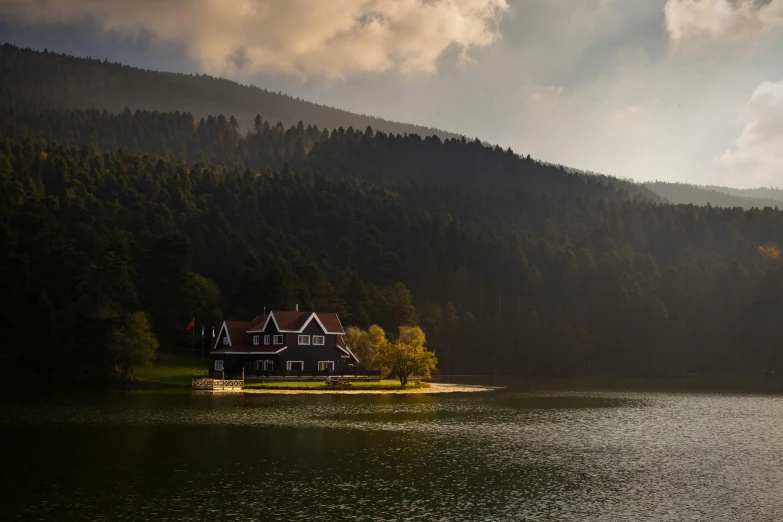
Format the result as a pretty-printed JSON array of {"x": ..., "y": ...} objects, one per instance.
[
  {"x": 133, "y": 343},
  {"x": 408, "y": 355},
  {"x": 366, "y": 344}
]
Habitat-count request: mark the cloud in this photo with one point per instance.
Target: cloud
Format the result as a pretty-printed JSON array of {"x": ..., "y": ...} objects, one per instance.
[
  {"x": 757, "y": 156},
  {"x": 545, "y": 95},
  {"x": 705, "y": 20},
  {"x": 332, "y": 38}
]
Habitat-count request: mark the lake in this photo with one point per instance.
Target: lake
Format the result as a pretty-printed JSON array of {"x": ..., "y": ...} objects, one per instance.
[{"x": 172, "y": 455}]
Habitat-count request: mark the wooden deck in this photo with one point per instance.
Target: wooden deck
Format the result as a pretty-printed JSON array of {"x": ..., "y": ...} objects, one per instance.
[{"x": 217, "y": 385}]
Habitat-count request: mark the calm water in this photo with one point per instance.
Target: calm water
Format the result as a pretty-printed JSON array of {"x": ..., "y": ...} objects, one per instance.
[{"x": 496, "y": 456}]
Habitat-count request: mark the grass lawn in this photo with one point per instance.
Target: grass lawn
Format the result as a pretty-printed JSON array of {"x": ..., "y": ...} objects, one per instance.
[
  {"x": 320, "y": 385},
  {"x": 171, "y": 370}
]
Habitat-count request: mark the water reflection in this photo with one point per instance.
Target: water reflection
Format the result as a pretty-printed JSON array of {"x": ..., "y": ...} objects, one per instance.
[{"x": 499, "y": 456}]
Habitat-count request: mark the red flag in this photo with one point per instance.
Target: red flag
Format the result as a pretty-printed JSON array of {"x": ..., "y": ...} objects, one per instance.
[{"x": 191, "y": 325}]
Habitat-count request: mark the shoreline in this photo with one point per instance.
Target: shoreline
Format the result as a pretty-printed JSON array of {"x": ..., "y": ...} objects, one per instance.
[{"x": 433, "y": 388}]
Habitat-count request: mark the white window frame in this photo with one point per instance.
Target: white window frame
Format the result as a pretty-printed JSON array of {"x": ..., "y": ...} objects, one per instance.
[
  {"x": 225, "y": 341},
  {"x": 218, "y": 365},
  {"x": 256, "y": 340},
  {"x": 289, "y": 363},
  {"x": 322, "y": 365},
  {"x": 317, "y": 338},
  {"x": 303, "y": 340},
  {"x": 265, "y": 364},
  {"x": 266, "y": 340},
  {"x": 276, "y": 341}
]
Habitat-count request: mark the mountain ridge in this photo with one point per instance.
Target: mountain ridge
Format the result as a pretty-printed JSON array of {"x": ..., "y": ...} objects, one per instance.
[{"x": 31, "y": 79}]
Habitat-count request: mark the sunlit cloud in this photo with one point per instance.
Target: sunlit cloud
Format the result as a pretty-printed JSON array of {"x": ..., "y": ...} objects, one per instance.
[
  {"x": 706, "y": 20},
  {"x": 331, "y": 39},
  {"x": 757, "y": 155}
]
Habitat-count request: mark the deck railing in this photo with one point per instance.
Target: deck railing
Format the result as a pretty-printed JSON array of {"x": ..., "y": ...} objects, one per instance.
[
  {"x": 357, "y": 374},
  {"x": 217, "y": 384}
]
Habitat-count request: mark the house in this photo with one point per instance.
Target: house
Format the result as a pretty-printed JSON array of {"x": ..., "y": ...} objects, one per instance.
[{"x": 282, "y": 343}]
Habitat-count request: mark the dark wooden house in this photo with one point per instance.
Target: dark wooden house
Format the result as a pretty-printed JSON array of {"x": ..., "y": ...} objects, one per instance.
[{"x": 282, "y": 343}]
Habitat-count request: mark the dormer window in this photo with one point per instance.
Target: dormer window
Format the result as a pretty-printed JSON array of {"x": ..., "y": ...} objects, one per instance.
[
  {"x": 255, "y": 340},
  {"x": 319, "y": 340},
  {"x": 278, "y": 339},
  {"x": 304, "y": 339},
  {"x": 266, "y": 339},
  {"x": 225, "y": 341}
]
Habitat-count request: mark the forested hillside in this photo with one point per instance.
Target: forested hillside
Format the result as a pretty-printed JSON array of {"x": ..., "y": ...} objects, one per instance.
[
  {"x": 717, "y": 196},
  {"x": 372, "y": 155},
  {"x": 509, "y": 280},
  {"x": 47, "y": 80}
]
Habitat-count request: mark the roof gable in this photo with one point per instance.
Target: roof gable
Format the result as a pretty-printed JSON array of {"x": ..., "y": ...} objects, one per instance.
[
  {"x": 290, "y": 322},
  {"x": 295, "y": 322},
  {"x": 235, "y": 330},
  {"x": 330, "y": 322}
]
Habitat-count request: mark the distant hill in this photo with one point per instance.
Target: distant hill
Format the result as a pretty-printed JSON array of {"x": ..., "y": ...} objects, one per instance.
[
  {"x": 47, "y": 80},
  {"x": 717, "y": 196},
  {"x": 761, "y": 193}
]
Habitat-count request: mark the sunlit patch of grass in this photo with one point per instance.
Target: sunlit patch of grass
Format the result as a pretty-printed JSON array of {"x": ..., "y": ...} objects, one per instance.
[{"x": 171, "y": 370}]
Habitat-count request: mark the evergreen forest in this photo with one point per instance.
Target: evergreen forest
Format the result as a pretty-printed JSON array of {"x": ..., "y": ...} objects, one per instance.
[{"x": 510, "y": 266}]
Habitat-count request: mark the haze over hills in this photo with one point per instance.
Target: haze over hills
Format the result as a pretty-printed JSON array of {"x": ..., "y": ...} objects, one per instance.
[
  {"x": 718, "y": 196},
  {"x": 48, "y": 80}
]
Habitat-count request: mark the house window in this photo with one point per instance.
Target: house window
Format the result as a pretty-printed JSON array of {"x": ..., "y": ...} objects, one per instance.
[
  {"x": 319, "y": 340},
  {"x": 304, "y": 339},
  {"x": 225, "y": 341},
  {"x": 255, "y": 340},
  {"x": 265, "y": 365},
  {"x": 278, "y": 339},
  {"x": 326, "y": 365},
  {"x": 218, "y": 365},
  {"x": 294, "y": 366},
  {"x": 266, "y": 339}
]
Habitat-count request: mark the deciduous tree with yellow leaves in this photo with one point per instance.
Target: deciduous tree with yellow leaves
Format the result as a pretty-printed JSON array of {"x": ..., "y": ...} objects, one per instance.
[{"x": 408, "y": 355}]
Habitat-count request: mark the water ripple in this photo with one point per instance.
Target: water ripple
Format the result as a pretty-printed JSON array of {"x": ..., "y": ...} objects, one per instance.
[{"x": 500, "y": 456}]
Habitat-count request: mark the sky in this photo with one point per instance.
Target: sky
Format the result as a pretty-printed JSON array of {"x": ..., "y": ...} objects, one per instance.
[{"x": 672, "y": 90}]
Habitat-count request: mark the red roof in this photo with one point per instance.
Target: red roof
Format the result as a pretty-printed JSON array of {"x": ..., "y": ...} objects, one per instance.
[
  {"x": 291, "y": 321},
  {"x": 236, "y": 331},
  {"x": 331, "y": 322},
  {"x": 286, "y": 321},
  {"x": 258, "y": 322},
  {"x": 241, "y": 340}
]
